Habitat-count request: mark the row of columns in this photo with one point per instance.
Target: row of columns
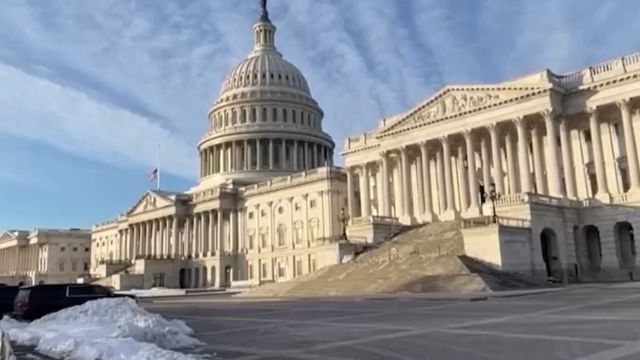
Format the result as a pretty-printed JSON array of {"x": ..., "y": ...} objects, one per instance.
[
  {"x": 548, "y": 171},
  {"x": 20, "y": 259},
  {"x": 198, "y": 235},
  {"x": 263, "y": 154}
]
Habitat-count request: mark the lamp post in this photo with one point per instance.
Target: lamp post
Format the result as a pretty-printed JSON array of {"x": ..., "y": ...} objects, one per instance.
[
  {"x": 343, "y": 218},
  {"x": 493, "y": 196}
]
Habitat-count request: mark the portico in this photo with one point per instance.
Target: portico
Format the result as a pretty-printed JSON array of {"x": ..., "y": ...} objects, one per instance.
[{"x": 549, "y": 144}]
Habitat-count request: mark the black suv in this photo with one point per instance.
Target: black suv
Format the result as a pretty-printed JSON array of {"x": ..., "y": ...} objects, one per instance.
[
  {"x": 7, "y": 295},
  {"x": 33, "y": 302}
]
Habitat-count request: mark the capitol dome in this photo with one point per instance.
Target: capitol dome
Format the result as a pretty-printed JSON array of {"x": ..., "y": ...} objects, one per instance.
[{"x": 265, "y": 122}]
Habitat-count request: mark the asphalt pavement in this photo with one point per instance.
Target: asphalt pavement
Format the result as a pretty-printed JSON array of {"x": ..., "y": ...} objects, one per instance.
[{"x": 595, "y": 322}]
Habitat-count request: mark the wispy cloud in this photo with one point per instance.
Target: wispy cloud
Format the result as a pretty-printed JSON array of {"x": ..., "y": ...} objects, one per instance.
[{"x": 109, "y": 79}]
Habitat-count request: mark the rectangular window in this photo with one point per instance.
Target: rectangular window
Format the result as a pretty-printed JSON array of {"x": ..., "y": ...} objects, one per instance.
[
  {"x": 299, "y": 268},
  {"x": 86, "y": 266},
  {"x": 61, "y": 266},
  {"x": 312, "y": 204},
  {"x": 251, "y": 240},
  {"x": 313, "y": 265},
  {"x": 250, "y": 272},
  {"x": 74, "y": 266},
  {"x": 264, "y": 270},
  {"x": 263, "y": 240},
  {"x": 250, "y": 215},
  {"x": 281, "y": 270},
  {"x": 62, "y": 249}
]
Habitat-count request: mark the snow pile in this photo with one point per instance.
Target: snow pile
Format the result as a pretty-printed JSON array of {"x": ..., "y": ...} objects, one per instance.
[{"x": 104, "y": 329}]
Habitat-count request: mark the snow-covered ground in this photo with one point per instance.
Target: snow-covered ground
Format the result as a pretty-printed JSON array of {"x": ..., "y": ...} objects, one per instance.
[{"x": 104, "y": 329}]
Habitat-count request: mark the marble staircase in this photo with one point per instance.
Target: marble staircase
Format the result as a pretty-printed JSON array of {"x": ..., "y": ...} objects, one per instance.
[{"x": 429, "y": 258}]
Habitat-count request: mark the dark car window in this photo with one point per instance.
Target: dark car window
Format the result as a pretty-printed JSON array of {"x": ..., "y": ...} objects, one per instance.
[
  {"x": 100, "y": 291},
  {"x": 80, "y": 290},
  {"x": 23, "y": 294}
]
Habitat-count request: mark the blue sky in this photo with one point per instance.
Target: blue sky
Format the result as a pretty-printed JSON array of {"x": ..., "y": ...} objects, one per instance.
[{"x": 89, "y": 88}]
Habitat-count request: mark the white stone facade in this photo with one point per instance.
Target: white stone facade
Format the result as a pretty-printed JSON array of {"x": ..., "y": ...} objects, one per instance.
[
  {"x": 266, "y": 205},
  {"x": 44, "y": 255},
  {"x": 561, "y": 151}
]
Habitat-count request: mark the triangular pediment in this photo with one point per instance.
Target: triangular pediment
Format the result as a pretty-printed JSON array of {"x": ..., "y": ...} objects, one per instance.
[
  {"x": 12, "y": 235},
  {"x": 149, "y": 202},
  {"x": 453, "y": 101}
]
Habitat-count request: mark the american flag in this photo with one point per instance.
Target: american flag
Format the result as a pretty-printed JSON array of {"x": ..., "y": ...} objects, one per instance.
[{"x": 153, "y": 174}]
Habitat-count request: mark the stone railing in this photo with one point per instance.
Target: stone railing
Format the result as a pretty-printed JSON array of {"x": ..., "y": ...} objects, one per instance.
[
  {"x": 600, "y": 71},
  {"x": 510, "y": 199},
  {"x": 382, "y": 220},
  {"x": 262, "y": 126},
  {"x": 502, "y": 221}
]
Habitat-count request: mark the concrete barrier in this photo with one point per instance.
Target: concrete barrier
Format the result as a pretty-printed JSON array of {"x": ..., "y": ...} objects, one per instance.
[{"x": 6, "y": 353}]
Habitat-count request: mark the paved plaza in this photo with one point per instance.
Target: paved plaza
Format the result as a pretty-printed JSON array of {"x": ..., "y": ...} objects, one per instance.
[{"x": 594, "y": 322}]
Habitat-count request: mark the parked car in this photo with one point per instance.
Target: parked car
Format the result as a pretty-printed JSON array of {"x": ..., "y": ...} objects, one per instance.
[
  {"x": 33, "y": 302},
  {"x": 7, "y": 295}
]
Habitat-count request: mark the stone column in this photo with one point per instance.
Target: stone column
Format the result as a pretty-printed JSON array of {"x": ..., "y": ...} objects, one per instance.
[
  {"x": 523, "y": 157},
  {"x": 463, "y": 186},
  {"x": 426, "y": 183},
  {"x": 213, "y": 160},
  {"x": 258, "y": 155},
  {"x": 295, "y": 155},
  {"x": 486, "y": 164},
  {"x": 148, "y": 235},
  {"x": 271, "y": 154},
  {"x": 498, "y": 177},
  {"x": 221, "y": 248},
  {"x": 598, "y": 157},
  {"x": 629, "y": 144},
  {"x": 538, "y": 166},
  {"x": 442, "y": 198},
  {"x": 384, "y": 160},
  {"x": 553, "y": 166},
  {"x": 233, "y": 224},
  {"x": 405, "y": 174},
  {"x": 567, "y": 159},
  {"x": 364, "y": 191},
  {"x": 283, "y": 155},
  {"x": 211, "y": 245},
  {"x": 234, "y": 163},
  {"x": 450, "y": 212},
  {"x": 474, "y": 209},
  {"x": 420, "y": 186},
  {"x": 350, "y": 197},
  {"x": 174, "y": 238},
  {"x": 511, "y": 164},
  {"x": 307, "y": 156},
  {"x": 245, "y": 147}
]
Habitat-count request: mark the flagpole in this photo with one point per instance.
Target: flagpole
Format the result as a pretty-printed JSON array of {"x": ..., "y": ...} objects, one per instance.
[{"x": 158, "y": 167}]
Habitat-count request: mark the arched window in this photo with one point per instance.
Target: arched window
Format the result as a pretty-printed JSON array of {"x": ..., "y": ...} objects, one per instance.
[
  {"x": 234, "y": 117},
  {"x": 243, "y": 117},
  {"x": 275, "y": 115},
  {"x": 284, "y": 115},
  {"x": 253, "y": 115},
  {"x": 282, "y": 232},
  {"x": 264, "y": 114},
  {"x": 226, "y": 118},
  {"x": 293, "y": 116}
]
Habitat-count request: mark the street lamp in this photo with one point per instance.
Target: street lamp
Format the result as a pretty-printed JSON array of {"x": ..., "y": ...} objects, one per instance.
[
  {"x": 343, "y": 218},
  {"x": 493, "y": 196}
]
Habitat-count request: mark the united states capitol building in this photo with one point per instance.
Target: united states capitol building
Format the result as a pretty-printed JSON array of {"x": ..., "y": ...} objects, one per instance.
[{"x": 556, "y": 156}]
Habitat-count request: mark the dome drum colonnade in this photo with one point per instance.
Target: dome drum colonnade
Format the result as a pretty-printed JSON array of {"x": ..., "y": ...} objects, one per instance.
[
  {"x": 265, "y": 118},
  {"x": 528, "y": 154}
]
